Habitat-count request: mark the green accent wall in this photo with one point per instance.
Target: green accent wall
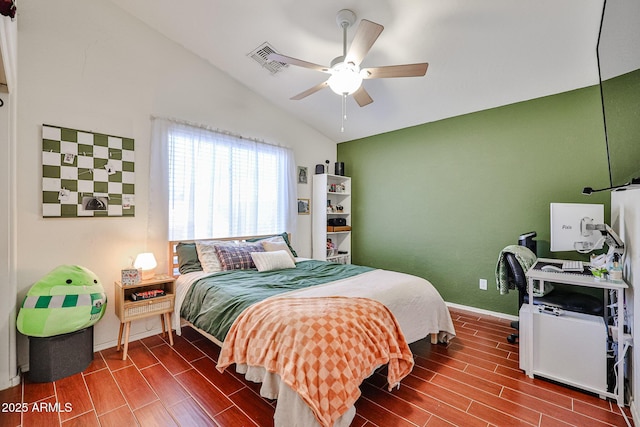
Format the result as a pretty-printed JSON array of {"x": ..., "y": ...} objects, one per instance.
[
  {"x": 441, "y": 200},
  {"x": 621, "y": 100}
]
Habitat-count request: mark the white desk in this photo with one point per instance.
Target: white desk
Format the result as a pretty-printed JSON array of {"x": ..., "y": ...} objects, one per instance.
[{"x": 526, "y": 336}]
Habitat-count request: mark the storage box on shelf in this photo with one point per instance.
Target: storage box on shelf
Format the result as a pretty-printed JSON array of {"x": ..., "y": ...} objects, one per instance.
[
  {"x": 128, "y": 309},
  {"x": 331, "y": 218}
]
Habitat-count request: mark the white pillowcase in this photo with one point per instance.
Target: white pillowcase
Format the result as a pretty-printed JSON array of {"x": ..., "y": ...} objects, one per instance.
[
  {"x": 277, "y": 245},
  {"x": 275, "y": 260},
  {"x": 208, "y": 256}
]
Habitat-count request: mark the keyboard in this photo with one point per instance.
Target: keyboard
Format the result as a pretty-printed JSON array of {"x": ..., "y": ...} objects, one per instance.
[{"x": 572, "y": 266}]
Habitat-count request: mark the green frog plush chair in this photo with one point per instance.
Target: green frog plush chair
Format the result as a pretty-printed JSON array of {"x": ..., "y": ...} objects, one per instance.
[{"x": 57, "y": 315}]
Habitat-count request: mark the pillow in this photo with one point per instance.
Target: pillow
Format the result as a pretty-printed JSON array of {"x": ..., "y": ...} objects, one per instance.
[
  {"x": 187, "y": 258},
  {"x": 273, "y": 245},
  {"x": 237, "y": 257},
  {"x": 285, "y": 237},
  {"x": 207, "y": 255},
  {"x": 276, "y": 260}
]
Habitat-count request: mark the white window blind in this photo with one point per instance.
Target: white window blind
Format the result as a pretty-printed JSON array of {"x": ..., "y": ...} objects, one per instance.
[{"x": 221, "y": 185}]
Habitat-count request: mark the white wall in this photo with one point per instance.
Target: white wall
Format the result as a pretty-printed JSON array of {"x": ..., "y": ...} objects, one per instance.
[
  {"x": 8, "y": 140},
  {"x": 90, "y": 66},
  {"x": 625, "y": 219}
]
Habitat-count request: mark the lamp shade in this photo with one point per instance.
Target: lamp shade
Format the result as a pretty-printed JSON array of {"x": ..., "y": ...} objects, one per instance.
[{"x": 147, "y": 263}]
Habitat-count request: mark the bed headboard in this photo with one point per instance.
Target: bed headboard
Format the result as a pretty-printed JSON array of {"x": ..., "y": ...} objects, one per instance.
[{"x": 173, "y": 256}]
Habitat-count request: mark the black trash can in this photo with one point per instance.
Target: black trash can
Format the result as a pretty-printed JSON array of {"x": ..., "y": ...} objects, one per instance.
[{"x": 60, "y": 356}]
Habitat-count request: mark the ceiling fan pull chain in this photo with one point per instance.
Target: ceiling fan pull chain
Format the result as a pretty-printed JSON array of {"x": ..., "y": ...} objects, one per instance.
[
  {"x": 344, "y": 110},
  {"x": 344, "y": 105}
]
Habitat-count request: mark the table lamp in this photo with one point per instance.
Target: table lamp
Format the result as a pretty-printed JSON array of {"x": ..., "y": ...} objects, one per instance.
[{"x": 147, "y": 263}]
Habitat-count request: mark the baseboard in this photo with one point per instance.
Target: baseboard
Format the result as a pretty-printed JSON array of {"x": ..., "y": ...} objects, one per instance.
[
  {"x": 634, "y": 410},
  {"x": 481, "y": 311},
  {"x": 9, "y": 382}
]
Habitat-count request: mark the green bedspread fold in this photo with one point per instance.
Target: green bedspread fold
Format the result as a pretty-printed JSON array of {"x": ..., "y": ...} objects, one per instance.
[{"x": 214, "y": 302}]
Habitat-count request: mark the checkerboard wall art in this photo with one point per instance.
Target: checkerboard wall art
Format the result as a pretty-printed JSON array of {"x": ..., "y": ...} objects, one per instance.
[{"x": 86, "y": 174}]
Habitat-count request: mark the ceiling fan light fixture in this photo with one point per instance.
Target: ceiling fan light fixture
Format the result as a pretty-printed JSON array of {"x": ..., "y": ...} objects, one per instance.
[
  {"x": 345, "y": 74},
  {"x": 345, "y": 78}
]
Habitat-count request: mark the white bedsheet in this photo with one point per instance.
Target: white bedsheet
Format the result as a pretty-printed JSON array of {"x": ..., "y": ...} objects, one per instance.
[
  {"x": 183, "y": 284},
  {"x": 416, "y": 304}
]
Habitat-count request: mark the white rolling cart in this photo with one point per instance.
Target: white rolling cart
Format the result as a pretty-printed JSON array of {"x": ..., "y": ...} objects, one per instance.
[{"x": 570, "y": 347}]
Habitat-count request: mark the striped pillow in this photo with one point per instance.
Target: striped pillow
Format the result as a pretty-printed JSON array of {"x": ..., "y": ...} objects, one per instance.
[
  {"x": 270, "y": 246},
  {"x": 275, "y": 260}
]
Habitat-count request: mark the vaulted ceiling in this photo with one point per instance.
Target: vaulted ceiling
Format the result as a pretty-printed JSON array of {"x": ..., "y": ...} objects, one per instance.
[{"x": 481, "y": 54}]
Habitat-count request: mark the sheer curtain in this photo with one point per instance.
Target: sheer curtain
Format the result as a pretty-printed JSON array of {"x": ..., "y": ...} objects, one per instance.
[{"x": 213, "y": 184}]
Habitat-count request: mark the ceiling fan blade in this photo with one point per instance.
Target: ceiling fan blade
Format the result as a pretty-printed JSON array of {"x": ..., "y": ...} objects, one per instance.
[
  {"x": 310, "y": 91},
  {"x": 407, "y": 70},
  {"x": 365, "y": 37},
  {"x": 362, "y": 97},
  {"x": 299, "y": 62}
]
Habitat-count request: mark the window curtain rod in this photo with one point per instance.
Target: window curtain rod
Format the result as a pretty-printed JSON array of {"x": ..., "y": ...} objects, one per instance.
[{"x": 216, "y": 130}]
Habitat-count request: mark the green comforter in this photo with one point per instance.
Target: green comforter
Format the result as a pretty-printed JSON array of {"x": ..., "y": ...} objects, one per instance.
[{"x": 214, "y": 302}]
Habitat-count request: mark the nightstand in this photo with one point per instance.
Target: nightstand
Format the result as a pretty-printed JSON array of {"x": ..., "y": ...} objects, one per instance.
[{"x": 128, "y": 310}]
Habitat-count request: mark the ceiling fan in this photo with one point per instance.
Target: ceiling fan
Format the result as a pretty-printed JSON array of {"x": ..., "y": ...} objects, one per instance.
[{"x": 345, "y": 73}]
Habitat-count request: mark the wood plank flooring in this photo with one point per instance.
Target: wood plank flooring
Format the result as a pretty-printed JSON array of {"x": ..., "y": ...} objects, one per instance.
[{"x": 473, "y": 381}]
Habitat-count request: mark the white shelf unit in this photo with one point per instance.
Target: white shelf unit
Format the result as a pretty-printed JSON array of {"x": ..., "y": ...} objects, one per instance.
[{"x": 329, "y": 193}]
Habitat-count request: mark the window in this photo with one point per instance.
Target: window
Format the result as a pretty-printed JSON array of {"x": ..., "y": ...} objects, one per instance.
[{"x": 223, "y": 185}]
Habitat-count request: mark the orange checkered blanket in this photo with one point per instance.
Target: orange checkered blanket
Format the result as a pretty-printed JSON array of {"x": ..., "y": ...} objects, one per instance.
[{"x": 323, "y": 347}]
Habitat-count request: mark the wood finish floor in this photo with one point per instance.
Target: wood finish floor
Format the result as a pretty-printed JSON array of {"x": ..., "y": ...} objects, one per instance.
[{"x": 474, "y": 381}]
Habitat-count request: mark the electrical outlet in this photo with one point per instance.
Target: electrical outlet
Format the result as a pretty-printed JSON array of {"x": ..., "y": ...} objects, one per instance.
[{"x": 483, "y": 284}]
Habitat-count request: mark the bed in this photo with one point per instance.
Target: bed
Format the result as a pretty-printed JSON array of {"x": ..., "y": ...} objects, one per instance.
[{"x": 213, "y": 302}]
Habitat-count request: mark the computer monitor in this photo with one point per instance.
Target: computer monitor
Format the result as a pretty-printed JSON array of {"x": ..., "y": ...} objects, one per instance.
[{"x": 568, "y": 230}]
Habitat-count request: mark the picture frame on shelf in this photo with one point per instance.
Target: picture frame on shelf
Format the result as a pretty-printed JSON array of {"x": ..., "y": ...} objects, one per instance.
[{"x": 304, "y": 207}]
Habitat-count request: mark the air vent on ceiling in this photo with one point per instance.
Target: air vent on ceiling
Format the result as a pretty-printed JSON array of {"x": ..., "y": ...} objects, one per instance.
[{"x": 261, "y": 56}]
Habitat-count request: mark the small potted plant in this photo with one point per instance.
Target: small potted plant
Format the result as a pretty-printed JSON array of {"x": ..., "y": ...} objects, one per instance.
[{"x": 600, "y": 273}]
